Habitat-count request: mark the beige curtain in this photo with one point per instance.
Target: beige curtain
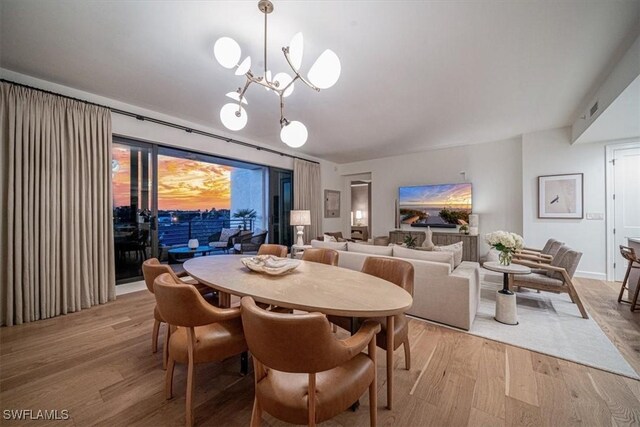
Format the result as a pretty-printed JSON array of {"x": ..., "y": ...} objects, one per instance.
[
  {"x": 56, "y": 237},
  {"x": 306, "y": 195}
]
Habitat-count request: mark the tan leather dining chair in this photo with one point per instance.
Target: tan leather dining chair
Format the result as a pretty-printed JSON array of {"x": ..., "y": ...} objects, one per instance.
[
  {"x": 400, "y": 273},
  {"x": 303, "y": 373},
  {"x": 151, "y": 269},
  {"x": 321, "y": 255},
  {"x": 204, "y": 333},
  {"x": 275, "y": 250}
]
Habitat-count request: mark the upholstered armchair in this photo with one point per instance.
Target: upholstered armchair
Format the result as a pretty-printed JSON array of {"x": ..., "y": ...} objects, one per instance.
[
  {"x": 203, "y": 333},
  {"x": 556, "y": 276},
  {"x": 304, "y": 374},
  {"x": 544, "y": 255}
]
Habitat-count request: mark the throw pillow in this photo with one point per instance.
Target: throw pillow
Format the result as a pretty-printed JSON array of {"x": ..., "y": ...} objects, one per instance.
[
  {"x": 336, "y": 246},
  {"x": 432, "y": 256},
  {"x": 328, "y": 238},
  {"x": 428, "y": 241},
  {"x": 455, "y": 248}
]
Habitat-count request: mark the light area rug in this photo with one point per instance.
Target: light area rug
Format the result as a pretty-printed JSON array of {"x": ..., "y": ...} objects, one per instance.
[{"x": 550, "y": 324}]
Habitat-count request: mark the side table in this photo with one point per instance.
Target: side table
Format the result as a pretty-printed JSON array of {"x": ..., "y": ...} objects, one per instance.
[
  {"x": 298, "y": 249},
  {"x": 506, "y": 311}
]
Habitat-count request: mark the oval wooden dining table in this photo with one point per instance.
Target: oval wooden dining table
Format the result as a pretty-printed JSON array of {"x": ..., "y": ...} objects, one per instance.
[{"x": 310, "y": 287}]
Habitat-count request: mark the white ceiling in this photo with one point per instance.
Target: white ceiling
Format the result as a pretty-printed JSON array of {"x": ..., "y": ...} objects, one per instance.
[
  {"x": 415, "y": 75},
  {"x": 620, "y": 120}
]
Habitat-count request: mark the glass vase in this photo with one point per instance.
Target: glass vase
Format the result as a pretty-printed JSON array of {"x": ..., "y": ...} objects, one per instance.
[{"x": 505, "y": 257}]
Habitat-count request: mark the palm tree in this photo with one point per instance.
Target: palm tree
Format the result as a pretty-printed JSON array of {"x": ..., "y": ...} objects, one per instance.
[{"x": 245, "y": 215}]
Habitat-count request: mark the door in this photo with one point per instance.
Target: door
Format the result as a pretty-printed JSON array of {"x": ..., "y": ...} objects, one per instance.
[
  {"x": 280, "y": 205},
  {"x": 626, "y": 203},
  {"x": 131, "y": 172}
]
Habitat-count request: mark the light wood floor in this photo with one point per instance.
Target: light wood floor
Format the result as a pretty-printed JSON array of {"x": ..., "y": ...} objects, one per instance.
[{"x": 98, "y": 365}]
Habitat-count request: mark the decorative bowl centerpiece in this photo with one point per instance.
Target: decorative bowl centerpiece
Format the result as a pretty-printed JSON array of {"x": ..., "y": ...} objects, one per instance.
[{"x": 270, "y": 264}]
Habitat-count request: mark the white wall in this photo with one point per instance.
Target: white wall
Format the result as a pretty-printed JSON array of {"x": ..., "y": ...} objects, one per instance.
[
  {"x": 625, "y": 71},
  {"x": 248, "y": 192},
  {"x": 549, "y": 153},
  {"x": 147, "y": 131},
  {"x": 493, "y": 168}
]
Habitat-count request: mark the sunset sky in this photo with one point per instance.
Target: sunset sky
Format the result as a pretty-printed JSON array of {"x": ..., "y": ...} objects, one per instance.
[
  {"x": 183, "y": 184},
  {"x": 439, "y": 195}
]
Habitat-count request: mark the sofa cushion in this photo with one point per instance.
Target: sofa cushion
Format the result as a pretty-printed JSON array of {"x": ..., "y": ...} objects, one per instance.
[
  {"x": 329, "y": 238},
  {"x": 336, "y": 246},
  {"x": 444, "y": 257},
  {"x": 428, "y": 241},
  {"x": 369, "y": 249},
  {"x": 455, "y": 249}
]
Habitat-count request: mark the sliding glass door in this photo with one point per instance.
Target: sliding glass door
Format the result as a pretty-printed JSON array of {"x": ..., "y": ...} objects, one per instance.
[
  {"x": 199, "y": 195},
  {"x": 280, "y": 205},
  {"x": 132, "y": 179},
  {"x": 163, "y": 197}
]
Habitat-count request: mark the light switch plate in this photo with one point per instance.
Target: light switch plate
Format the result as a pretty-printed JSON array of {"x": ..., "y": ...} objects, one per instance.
[{"x": 595, "y": 215}]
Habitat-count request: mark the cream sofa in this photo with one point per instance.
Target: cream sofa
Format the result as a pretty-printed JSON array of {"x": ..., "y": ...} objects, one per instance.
[{"x": 442, "y": 293}]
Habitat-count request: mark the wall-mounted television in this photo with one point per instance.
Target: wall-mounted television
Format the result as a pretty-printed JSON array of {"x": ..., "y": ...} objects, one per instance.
[{"x": 441, "y": 205}]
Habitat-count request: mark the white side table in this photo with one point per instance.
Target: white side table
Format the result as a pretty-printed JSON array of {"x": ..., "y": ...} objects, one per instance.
[
  {"x": 298, "y": 249},
  {"x": 505, "y": 299}
]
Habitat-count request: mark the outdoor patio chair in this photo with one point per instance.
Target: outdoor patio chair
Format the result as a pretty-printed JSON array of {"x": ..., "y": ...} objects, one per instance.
[{"x": 248, "y": 243}]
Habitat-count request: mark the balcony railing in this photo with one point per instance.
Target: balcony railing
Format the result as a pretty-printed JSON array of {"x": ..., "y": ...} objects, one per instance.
[{"x": 179, "y": 233}]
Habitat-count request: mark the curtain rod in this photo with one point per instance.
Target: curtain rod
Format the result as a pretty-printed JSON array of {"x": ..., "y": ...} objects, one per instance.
[{"x": 163, "y": 122}]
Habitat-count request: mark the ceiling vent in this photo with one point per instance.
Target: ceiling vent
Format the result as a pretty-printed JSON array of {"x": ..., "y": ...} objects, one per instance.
[{"x": 593, "y": 109}]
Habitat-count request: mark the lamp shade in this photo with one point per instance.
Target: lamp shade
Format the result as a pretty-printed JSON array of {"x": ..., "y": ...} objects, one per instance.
[
  {"x": 300, "y": 217},
  {"x": 230, "y": 118},
  {"x": 294, "y": 134},
  {"x": 227, "y": 52},
  {"x": 325, "y": 72},
  {"x": 358, "y": 214}
]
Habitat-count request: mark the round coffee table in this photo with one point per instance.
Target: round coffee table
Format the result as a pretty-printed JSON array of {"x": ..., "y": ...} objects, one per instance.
[
  {"x": 505, "y": 299},
  {"x": 179, "y": 254}
]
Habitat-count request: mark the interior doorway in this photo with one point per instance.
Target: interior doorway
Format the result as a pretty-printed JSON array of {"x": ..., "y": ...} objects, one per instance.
[
  {"x": 360, "y": 209},
  {"x": 623, "y": 203}
]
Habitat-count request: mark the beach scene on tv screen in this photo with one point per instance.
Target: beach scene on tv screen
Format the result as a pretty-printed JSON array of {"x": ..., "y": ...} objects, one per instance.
[{"x": 444, "y": 204}]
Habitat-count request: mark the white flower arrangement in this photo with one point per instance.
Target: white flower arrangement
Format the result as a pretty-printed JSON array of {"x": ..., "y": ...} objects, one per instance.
[{"x": 505, "y": 242}]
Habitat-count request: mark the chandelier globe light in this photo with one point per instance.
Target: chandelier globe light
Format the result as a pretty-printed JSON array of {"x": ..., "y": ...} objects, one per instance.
[{"x": 323, "y": 74}]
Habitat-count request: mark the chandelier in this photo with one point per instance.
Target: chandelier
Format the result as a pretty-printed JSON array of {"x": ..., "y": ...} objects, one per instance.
[{"x": 323, "y": 74}]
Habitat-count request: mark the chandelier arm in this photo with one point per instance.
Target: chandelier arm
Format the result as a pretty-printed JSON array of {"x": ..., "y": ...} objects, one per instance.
[
  {"x": 290, "y": 83},
  {"x": 263, "y": 82},
  {"x": 265, "y": 44},
  {"x": 283, "y": 121},
  {"x": 285, "y": 50},
  {"x": 241, "y": 94}
]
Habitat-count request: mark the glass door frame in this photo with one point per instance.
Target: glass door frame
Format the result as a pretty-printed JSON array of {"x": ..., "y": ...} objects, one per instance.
[{"x": 151, "y": 150}]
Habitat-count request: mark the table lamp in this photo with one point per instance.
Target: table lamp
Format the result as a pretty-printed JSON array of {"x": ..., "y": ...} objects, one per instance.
[
  {"x": 358, "y": 218},
  {"x": 300, "y": 218}
]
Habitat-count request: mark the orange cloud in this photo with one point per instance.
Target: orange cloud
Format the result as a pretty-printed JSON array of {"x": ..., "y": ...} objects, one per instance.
[{"x": 184, "y": 184}]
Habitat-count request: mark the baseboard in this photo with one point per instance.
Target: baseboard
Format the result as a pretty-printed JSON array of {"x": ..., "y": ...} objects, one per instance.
[{"x": 591, "y": 275}]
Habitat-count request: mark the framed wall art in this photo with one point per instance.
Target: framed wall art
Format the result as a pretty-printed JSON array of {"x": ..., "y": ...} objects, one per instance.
[
  {"x": 561, "y": 196},
  {"x": 331, "y": 204}
]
